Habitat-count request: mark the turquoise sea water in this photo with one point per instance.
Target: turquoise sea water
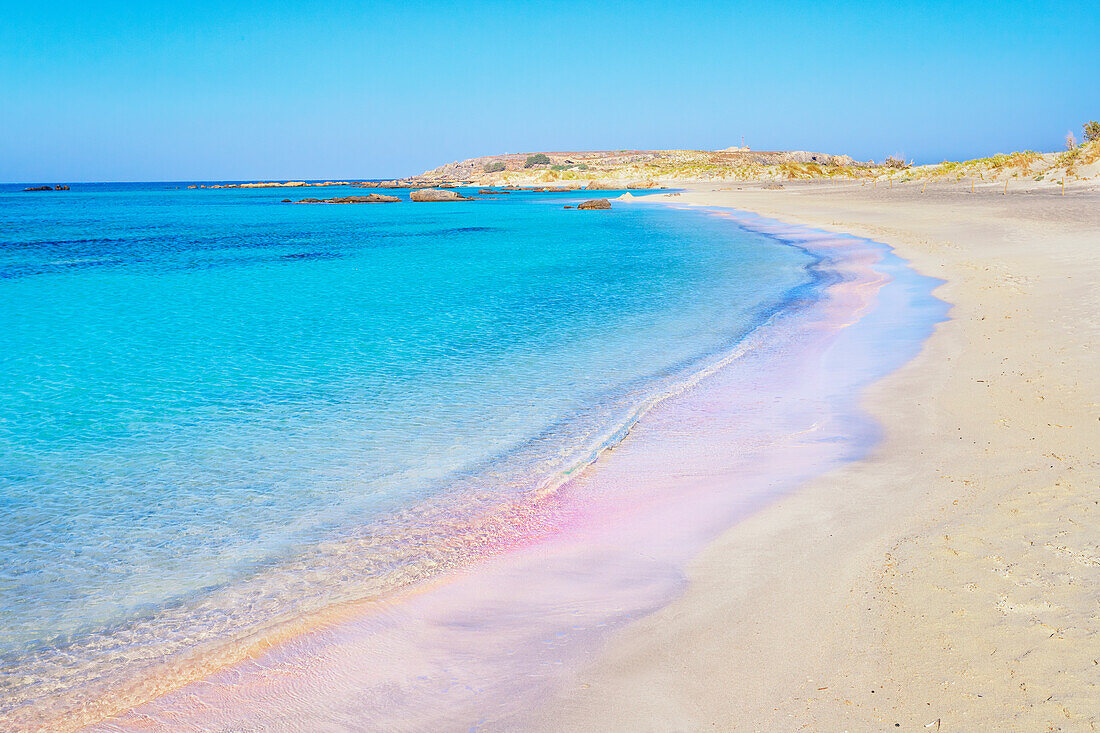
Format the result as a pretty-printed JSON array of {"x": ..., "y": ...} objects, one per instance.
[{"x": 218, "y": 410}]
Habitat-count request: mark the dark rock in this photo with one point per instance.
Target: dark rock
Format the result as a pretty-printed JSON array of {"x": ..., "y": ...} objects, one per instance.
[
  {"x": 436, "y": 194},
  {"x": 61, "y": 188},
  {"x": 287, "y": 201},
  {"x": 567, "y": 207},
  {"x": 39, "y": 188},
  {"x": 595, "y": 204},
  {"x": 491, "y": 192}
]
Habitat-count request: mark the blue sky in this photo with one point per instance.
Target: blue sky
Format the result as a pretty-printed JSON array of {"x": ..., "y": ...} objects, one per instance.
[{"x": 246, "y": 90}]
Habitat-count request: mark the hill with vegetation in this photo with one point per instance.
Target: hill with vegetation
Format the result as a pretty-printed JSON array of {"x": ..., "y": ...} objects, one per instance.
[{"x": 653, "y": 168}]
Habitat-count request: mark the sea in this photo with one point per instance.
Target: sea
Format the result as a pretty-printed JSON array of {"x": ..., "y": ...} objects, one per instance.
[{"x": 221, "y": 412}]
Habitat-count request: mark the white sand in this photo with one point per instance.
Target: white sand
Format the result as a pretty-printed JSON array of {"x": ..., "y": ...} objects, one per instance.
[{"x": 954, "y": 575}]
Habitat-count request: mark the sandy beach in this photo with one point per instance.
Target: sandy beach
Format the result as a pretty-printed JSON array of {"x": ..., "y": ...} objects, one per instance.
[
  {"x": 946, "y": 581},
  {"x": 950, "y": 580}
]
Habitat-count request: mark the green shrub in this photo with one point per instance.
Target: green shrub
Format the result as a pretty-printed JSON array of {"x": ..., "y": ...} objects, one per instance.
[
  {"x": 495, "y": 167},
  {"x": 536, "y": 159},
  {"x": 1092, "y": 131}
]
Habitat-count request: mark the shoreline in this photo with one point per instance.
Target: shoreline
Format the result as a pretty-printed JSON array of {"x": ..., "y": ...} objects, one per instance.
[
  {"x": 949, "y": 578},
  {"x": 601, "y": 515},
  {"x": 476, "y": 530}
]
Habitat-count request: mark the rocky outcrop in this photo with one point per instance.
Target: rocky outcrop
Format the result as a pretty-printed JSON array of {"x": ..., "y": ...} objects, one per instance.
[
  {"x": 279, "y": 184},
  {"x": 803, "y": 156},
  {"x": 491, "y": 192},
  {"x": 595, "y": 204},
  {"x": 290, "y": 184},
  {"x": 437, "y": 194},
  {"x": 389, "y": 184},
  {"x": 374, "y": 198},
  {"x": 628, "y": 169},
  {"x": 47, "y": 188}
]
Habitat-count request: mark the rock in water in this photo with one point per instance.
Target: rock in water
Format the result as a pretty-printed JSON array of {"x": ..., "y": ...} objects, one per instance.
[
  {"x": 39, "y": 188},
  {"x": 374, "y": 198},
  {"x": 595, "y": 204},
  {"x": 437, "y": 194}
]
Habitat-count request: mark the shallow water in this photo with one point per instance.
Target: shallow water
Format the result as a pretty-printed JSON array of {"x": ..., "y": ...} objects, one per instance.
[
  {"x": 487, "y": 648},
  {"x": 219, "y": 412}
]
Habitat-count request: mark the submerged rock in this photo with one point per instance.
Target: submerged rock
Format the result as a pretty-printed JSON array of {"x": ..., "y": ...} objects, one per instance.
[
  {"x": 374, "y": 198},
  {"x": 436, "y": 194},
  {"x": 595, "y": 204}
]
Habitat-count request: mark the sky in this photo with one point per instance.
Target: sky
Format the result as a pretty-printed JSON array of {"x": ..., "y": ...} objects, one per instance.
[{"x": 125, "y": 91}]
